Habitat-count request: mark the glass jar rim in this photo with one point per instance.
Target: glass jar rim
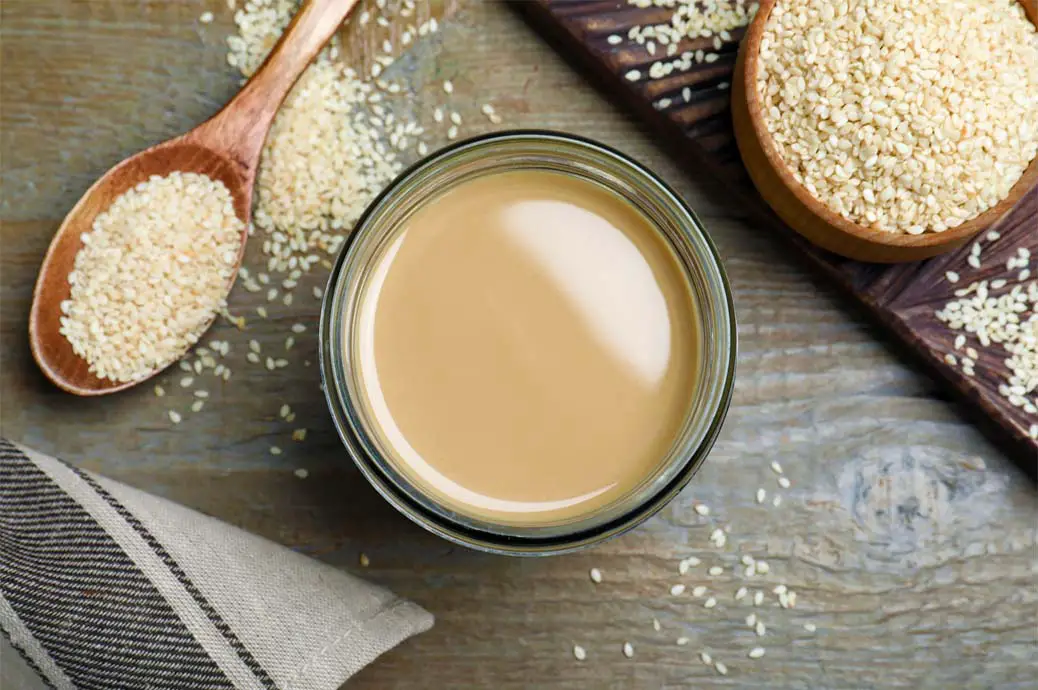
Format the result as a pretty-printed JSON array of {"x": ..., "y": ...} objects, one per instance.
[{"x": 698, "y": 257}]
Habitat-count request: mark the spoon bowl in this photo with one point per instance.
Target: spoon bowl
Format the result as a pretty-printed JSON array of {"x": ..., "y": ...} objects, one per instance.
[
  {"x": 225, "y": 148},
  {"x": 51, "y": 349}
]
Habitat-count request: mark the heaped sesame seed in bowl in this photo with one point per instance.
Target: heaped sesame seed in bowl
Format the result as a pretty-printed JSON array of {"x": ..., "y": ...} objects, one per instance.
[{"x": 889, "y": 130}]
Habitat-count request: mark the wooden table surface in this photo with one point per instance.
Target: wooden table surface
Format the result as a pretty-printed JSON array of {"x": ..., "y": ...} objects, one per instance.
[{"x": 910, "y": 541}]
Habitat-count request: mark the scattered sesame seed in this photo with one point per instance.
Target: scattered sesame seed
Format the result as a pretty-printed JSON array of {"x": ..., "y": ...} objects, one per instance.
[
  {"x": 758, "y": 597},
  {"x": 364, "y": 560},
  {"x": 206, "y": 18},
  {"x": 784, "y": 482},
  {"x": 656, "y": 624},
  {"x": 698, "y": 591},
  {"x": 274, "y": 450},
  {"x": 710, "y": 603},
  {"x": 197, "y": 405},
  {"x": 751, "y": 620},
  {"x": 775, "y": 467},
  {"x": 579, "y": 652},
  {"x": 761, "y": 495},
  {"x": 614, "y": 40},
  {"x": 756, "y": 653},
  {"x": 628, "y": 650},
  {"x": 448, "y": 87},
  {"x": 810, "y": 627},
  {"x": 596, "y": 575},
  {"x": 952, "y": 276},
  {"x": 776, "y": 501},
  {"x": 740, "y": 593},
  {"x": 721, "y": 668},
  {"x": 159, "y": 391},
  {"x": 702, "y": 509},
  {"x": 705, "y": 658},
  {"x": 716, "y": 570},
  {"x": 677, "y": 590},
  {"x": 760, "y": 629},
  {"x": 186, "y": 381},
  {"x": 682, "y": 641},
  {"x": 175, "y": 417},
  {"x": 633, "y": 75}
]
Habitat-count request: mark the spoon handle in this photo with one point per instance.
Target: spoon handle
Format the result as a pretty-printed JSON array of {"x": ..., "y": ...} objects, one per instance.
[{"x": 240, "y": 128}]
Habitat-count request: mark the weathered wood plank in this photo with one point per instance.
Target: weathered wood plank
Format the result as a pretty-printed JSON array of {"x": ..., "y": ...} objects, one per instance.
[{"x": 910, "y": 539}]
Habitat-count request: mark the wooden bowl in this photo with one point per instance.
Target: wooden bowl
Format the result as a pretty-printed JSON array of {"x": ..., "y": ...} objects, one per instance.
[{"x": 806, "y": 214}]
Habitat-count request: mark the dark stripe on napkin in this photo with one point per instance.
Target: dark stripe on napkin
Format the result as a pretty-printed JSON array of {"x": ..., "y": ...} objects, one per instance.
[
  {"x": 81, "y": 596},
  {"x": 178, "y": 572}
]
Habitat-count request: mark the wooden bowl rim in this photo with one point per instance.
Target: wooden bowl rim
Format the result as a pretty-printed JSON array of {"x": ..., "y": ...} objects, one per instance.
[{"x": 751, "y": 46}]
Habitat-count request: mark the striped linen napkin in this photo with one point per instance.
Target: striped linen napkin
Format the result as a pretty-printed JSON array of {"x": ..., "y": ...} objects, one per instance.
[{"x": 103, "y": 586}]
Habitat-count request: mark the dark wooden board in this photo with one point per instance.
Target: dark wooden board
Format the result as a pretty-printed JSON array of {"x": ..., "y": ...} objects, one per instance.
[{"x": 903, "y": 297}]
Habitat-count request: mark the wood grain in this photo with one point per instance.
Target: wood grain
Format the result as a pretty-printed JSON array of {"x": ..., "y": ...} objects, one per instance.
[
  {"x": 910, "y": 538},
  {"x": 225, "y": 148},
  {"x": 700, "y": 130}
]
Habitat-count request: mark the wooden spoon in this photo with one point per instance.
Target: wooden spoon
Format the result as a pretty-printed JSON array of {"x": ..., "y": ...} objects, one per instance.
[{"x": 226, "y": 148}]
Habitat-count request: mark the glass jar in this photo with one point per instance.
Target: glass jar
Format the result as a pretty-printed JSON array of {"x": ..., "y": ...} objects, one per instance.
[{"x": 560, "y": 153}]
